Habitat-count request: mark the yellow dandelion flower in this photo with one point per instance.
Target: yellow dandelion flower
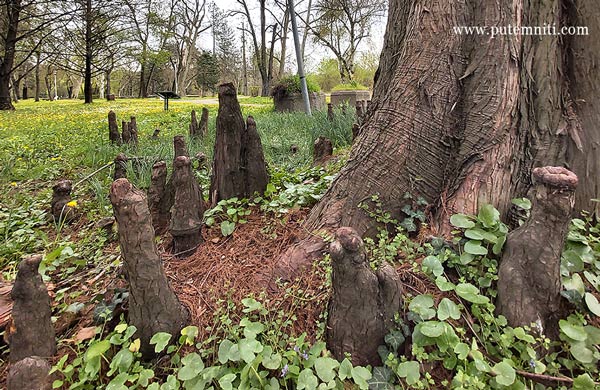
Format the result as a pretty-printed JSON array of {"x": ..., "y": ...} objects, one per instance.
[
  {"x": 14, "y": 184},
  {"x": 72, "y": 203}
]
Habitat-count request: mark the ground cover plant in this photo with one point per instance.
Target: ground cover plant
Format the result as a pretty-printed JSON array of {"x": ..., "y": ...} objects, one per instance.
[{"x": 242, "y": 336}]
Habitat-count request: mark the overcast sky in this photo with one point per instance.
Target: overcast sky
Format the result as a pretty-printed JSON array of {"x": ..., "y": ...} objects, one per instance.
[{"x": 315, "y": 52}]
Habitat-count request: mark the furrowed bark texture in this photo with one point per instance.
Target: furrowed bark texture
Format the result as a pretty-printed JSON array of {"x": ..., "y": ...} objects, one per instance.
[
  {"x": 463, "y": 119},
  {"x": 133, "y": 131},
  {"x": 529, "y": 275},
  {"x": 187, "y": 212},
  {"x": 31, "y": 332},
  {"x": 125, "y": 133},
  {"x": 113, "y": 128},
  {"x": 153, "y": 307},
  {"x": 239, "y": 167},
  {"x": 120, "y": 163},
  {"x": 363, "y": 302},
  {"x": 180, "y": 146}
]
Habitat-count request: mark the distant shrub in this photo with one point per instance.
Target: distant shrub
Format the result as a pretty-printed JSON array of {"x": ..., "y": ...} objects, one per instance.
[
  {"x": 291, "y": 84},
  {"x": 351, "y": 86}
]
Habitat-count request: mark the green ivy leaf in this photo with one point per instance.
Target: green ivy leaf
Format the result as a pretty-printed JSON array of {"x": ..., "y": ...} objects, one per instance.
[
  {"x": 161, "y": 340},
  {"x": 423, "y": 306},
  {"x": 470, "y": 293},
  {"x": 443, "y": 284},
  {"x": 121, "y": 361},
  {"x": 192, "y": 367},
  {"x": 522, "y": 203},
  {"x": 325, "y": 368},
  {"x": 462, "y": 350},
  {"x": 583, "y": 382},
  {"x": 226, "y": 381},
  {"x": 462, "y": 221},
  {"x": 361, "y": 375},
  {"x": 394, "y": 339},
  {"x": 96, "y": 349},
  {"x": 253, "y": 329},
  {"x": 448, "y": 309},
  {"x": 307, "y": 380},
  {"x": 431, "y": 329},
  {"x": 410, "y": 371},
  {"x": 572, "y": 331},
  {"x": 488, "y": 216},
  {"x": 227, "y": 228},
  {"x": 592, "y": 303},
  {"x": 474, "y": 247},
  {"x": 345, "y": 370},
  {"x": 505, "y": 373},
  {"x": 434, "y": 265}
]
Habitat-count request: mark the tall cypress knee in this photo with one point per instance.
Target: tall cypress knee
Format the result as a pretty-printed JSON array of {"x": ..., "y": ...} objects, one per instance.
[
  {"x": 153, "y": 307},
  {"x": 193, "y": 125},
  {"x": 186, "y": 217},
  {"x": 133, "y": 131},
  {"x": 113, "y": 128},
  {"x": 125, "y": 133},
  {"x": 31, "y": 333},
  {"x": 238, "y": 164},
  {"x": 529, "y": 275},
  {"x": 363, "y": 302},
  {"x": 203, "y": 126}
]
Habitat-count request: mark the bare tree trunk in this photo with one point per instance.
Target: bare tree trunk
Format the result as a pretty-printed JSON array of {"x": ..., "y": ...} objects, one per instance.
[
  {"x": 153, "y": 307},
  {"x": 87, "y": 87},
  {"x": 13, "y": 11},
  {"x": 37, "y": 77},
  {"x": 467, "y": 127},
  {"x": 532, "y": 255}
]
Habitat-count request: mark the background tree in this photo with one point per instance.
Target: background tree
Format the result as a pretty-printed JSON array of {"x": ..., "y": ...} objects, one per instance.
[
  {"x": 225, "y": 48},
  {"x": 208, "y": 75},
  {"x": 341, "y": 26}
]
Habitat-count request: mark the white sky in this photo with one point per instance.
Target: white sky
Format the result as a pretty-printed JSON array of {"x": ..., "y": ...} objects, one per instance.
[{"x": 315, "y": 52}]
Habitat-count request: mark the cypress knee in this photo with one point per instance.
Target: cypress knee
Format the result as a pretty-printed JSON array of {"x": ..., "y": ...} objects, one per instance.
[
  {"x": 238, "y": 165},
  {"x": 120, "y": 163},
  {"x": 153, "y": 307},
  {"x": 31, "y": 332},
  {"x": 330, "y": 114},
  {"x": 113, "y": 128},
  {"x": 203, "y": 127},
  {"x": 253, "y": 160},
  {"x": 529, "y": 276},
  {"x": 30, "y": 373},
  {"x": 180, "y": 146},
  {"x": 125, "y": 133},
  {"x": 363, "y": 302},
  {"x": 61, "y": 196},
  {"x": 186, "y": 215},
  {"x": 156, "y": 198},
  {"x": 323, "y": 150},
  {"x": 193, "y": 125},
  {"x": 133, "y": 131}
]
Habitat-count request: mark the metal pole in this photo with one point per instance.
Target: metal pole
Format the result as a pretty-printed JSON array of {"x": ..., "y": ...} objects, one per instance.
[{"x": 301, "y": 74}]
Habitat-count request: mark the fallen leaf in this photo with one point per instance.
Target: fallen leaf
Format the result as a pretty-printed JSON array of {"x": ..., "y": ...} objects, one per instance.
[{"x": 85, "y": 333}]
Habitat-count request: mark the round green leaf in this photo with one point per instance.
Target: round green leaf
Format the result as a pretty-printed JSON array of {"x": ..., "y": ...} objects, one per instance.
[
  {"x": 470, "y": 293},
  {"x": 462, "y": 221},
  {"x": 592, "y": 303},
  {"x": 432, "y": 329},
  {"x": 572, "y": 331},
  {"x": 505, "y": 373},
  {"x": 448, "y": 309},
  {"x": 474, "y": 247}
]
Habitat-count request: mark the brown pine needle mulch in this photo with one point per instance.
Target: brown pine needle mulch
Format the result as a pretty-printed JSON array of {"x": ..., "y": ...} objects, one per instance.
[{"x": 233, "y": 268}]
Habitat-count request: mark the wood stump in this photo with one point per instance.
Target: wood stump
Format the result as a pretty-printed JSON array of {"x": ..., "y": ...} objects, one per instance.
[
  {"x": 125, "y": 133},
  {"x": 31, "y": 332},
  {"x": 363, "y": 302},
  {"x": 323, "y": 150},
  {"x": 193, "y": 125},
  {"x": 110, "y": 97},
  {"x": 157, "y": 203},
  {"x": 153, "y": 307},
  {"x": 529, "y": 282},
  {"x": 187, "y": 211},
  {"x": 120, "y": 163},
  {"x": 113, "y": 128},
  {"x": 30, "y": 373},
  {"x": 61, "y": 196},
  {"x": 239, "y": 168}
]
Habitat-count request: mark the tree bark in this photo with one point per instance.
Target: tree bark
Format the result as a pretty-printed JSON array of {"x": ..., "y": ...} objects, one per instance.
[
  {"x": 180, "y": 146},
  {"x": 188, "y": 210},
  {"x": 31, "y": 332},
  {"x": 153, "y": 307},
  {"x": 462, "y": 120},
  {"x": 363, "y": 303},
  {"x": 203, "y": 126},
  {"x": 133, "y": 131},
  {"x": 120, "y": 163},
  {"x": 89, "y": 55},
  {"x": 125, "y": 133},
  {"x": 529, "y": 282},
  {"x": 253, "y": 160},
  {"x": 194, "y": 125},
  {"x": 13, "y": 10}
]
